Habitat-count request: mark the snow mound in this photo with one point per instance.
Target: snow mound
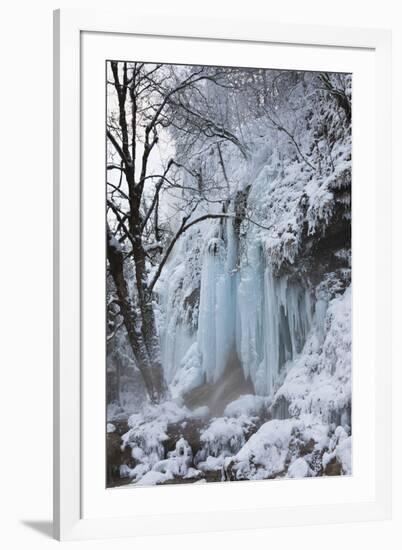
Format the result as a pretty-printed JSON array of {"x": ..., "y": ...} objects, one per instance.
[
  {"x": 247, "y": 405},
  {"x": 275, "y": 450},
  {"x": 299, "y": 469},
  {"x": 265, "y": 453},
  {"x": 168, "y": 412}
]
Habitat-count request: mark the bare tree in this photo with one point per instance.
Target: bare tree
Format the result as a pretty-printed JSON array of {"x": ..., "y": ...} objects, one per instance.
[{"x": 148, "y": 99}]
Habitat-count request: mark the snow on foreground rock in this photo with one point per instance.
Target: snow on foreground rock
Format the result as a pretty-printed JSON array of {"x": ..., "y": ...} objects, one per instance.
[
  {"x": 170, "y": 444},
  {"x": 176, "y": 465},
  {"x": 148, "y": 437},
  {"x": 248, "y": 405},
  {"x": 340, "y": 452},
  {"x": 153, "y": 431},
  {"x": 291, "y": 447},
  {"x": 223, "y": 438}
]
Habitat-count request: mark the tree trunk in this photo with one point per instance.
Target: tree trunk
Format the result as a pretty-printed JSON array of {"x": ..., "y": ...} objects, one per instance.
[
  {"x": 141, "y": 331},
  {"x": 118, "y": 382},
  {"x": 148, "y": 325}
]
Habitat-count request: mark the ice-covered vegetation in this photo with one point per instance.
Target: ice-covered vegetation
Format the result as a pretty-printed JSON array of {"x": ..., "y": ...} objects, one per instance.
[{"x": 229, "y": 274}]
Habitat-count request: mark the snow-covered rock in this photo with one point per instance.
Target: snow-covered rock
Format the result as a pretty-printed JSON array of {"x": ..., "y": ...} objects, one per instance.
[
  {"x": 176, "y": 465},
  {"x": 247, "y": 405},
  {"x": 148, "y": 437},
  {"x": 280, "y": 447},
  {"x": 339, "y": 452},
  {"x": 110, "y": 428},
  {"x": 299, "y": 469},
  {"x": 265, "y": 453},
  {"x": 222, "y": 438}
]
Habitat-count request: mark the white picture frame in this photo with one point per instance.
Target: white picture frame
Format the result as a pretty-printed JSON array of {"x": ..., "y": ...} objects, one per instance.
[{"x": 83, "y": 508}]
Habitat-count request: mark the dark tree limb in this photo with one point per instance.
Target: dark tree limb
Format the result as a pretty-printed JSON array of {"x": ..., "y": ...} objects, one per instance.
[
  {"x": 121, "y": 223},
  {"x": 117, "y": 189},
  {"x": 156, "y": 194},
  {"x": 183, "y": 227},
  {"x": 117, "y": 147}
]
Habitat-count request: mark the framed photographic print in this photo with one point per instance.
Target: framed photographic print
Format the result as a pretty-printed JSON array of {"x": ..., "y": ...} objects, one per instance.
[{"x": 222, "y": 312}]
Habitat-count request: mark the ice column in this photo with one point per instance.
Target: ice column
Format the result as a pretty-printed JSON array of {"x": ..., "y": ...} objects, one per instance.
[
  {"x": 274, "y": 317},
  {"x": 217, "y": 310}
]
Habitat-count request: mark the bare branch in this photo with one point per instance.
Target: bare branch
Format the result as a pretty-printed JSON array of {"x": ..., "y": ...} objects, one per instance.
[
  {"x": 156, "y": 194},
  {"x": 117, "y": 147},
  {"x": 181, "y": 230},
  {"x": 281, "y": 128},
  {"x": 121, "y": 223},
  {"x": 122, "y": 193}
]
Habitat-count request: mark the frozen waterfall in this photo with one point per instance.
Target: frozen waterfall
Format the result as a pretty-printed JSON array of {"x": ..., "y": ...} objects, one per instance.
[
  {"x": 274, "y": 317},
  {"x": 217, "y": 311},
  {"x": 243, "y": 309}
]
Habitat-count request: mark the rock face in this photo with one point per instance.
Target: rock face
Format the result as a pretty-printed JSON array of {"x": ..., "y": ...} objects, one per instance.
[{"x": 333, "y": 468}]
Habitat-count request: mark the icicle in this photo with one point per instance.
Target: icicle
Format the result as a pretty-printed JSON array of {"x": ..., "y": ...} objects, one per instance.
[
  {"x": 211, "y": 268},
  {"x": 217, "y": 311},
  {"x": 250, "y": 313},
  {"x": 274, "y": 319},
  {"x": 320, "y": 313}
]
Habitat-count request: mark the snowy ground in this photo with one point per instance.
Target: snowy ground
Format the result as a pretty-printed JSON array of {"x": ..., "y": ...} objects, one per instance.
[{"x": 310, "y": 436}]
